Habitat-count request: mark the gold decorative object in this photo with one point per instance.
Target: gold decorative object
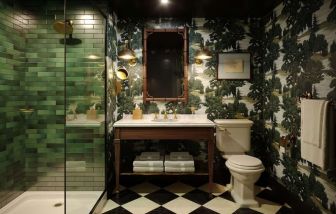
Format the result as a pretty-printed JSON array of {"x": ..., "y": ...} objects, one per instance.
[
  {"x": 72, "y": 110},
  {"x": 137, "y": 113},
  {"x": 91, "y": 114}
]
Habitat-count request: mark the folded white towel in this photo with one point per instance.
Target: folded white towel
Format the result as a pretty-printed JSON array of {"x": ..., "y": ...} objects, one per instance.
[
  {"x": 179, "y": 163},
  {"x": 314, "y": 131},
  {"x": 313, "y": 121},
  {"x": 179, "y": 169},
  {"x": 150, "y": 156},
  {"x": 148, "y": 163},
  {"x": 179, "y": 154},
  {"x": 147, "y": 169}
]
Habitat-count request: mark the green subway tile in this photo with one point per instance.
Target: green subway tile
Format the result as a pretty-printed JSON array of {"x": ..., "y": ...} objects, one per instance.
[{"x": 46, "y": 74}]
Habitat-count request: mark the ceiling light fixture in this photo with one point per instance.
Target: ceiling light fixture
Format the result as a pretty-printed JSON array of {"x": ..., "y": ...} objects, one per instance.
[{"x": 164, "y": 1}]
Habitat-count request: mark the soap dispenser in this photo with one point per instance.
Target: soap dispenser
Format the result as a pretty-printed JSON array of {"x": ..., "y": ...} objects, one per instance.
[{"x": 137, "y": 113}]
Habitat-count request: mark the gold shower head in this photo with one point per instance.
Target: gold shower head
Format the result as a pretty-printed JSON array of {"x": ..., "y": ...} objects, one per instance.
[{"x": 63, "y": 27}]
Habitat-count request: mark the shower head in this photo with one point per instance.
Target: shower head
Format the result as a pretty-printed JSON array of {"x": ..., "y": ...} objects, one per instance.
[
  {"x": 63, "y": 27},
  {"x": 67, "y": 29},
  {"x": 70, "y": 41}
]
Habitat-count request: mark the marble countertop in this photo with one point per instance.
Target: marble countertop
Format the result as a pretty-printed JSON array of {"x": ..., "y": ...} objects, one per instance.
[
  {"x": 82, "y": 121},
  {"x": 183, "y": 120}
]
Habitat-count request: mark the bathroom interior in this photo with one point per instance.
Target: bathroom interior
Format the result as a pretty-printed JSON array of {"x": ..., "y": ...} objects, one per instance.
[{"x": 226, "y": 106}]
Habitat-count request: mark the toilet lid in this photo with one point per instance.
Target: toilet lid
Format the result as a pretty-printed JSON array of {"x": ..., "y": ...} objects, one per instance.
[{"x": 245, "y": 161}]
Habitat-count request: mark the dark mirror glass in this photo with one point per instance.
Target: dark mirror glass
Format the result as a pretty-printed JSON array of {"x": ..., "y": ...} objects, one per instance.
[{"x": 165, "y": 65}]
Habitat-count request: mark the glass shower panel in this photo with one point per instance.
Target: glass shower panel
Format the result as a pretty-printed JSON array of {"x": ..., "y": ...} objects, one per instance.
[
  {"x": 12, "y": 99},
  {"x": 31, "y": 105},
  {"x": 85, "y": 106}
]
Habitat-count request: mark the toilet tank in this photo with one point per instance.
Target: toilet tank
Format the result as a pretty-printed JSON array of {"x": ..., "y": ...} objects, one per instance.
[{"x": 233, "y": 136}]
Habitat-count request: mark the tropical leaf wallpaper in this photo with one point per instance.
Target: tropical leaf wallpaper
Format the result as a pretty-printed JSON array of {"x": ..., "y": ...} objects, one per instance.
[{"x": 293, "y": 53}]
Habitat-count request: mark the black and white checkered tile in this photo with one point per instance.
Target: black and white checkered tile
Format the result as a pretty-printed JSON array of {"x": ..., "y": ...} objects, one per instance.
[{"x": 165, "y": 196}]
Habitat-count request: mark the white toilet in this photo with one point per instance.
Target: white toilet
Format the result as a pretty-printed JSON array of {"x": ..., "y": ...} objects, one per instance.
[{"x": 233, "y": 139}]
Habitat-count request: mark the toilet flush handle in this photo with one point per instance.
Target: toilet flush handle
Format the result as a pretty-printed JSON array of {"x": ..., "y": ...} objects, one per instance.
[{"x": 222, "y": 129}]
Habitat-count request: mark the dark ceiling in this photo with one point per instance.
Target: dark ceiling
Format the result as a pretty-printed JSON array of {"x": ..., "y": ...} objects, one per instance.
[{"x": 193, "y": 8}]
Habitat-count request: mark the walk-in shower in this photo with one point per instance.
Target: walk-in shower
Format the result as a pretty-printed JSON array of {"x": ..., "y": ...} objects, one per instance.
[{"x": 48, "y": 162}]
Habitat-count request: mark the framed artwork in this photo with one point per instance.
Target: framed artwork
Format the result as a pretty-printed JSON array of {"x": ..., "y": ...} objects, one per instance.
[{"x": 234, "y": 66}]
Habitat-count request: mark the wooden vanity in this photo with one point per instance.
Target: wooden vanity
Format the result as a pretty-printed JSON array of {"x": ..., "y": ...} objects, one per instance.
[{"x": 187, "y": 127}]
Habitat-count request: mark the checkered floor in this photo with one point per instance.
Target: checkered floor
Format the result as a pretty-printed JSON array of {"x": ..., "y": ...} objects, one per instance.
[{"x": 165, "y": 196}]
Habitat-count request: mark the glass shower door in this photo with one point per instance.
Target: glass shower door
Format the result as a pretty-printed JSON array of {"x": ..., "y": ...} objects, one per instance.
[{"x": 85, "y": 106}]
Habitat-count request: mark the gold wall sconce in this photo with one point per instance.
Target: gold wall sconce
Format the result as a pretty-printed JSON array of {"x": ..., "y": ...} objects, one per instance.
[
  {"x": 126, "y": 53},
  {"x": 132, "y": 62},
  {"x": 122, "y": 73},
  {"x": 198, "y": 62},
  {"x": 203, "y": 53}
]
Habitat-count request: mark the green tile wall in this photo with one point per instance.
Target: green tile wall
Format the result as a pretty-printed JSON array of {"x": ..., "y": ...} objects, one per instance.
[
  {"x": 85, "y": 148},
  {"x": 44, "y": 86},
  {"x": 12, "y": 98}
]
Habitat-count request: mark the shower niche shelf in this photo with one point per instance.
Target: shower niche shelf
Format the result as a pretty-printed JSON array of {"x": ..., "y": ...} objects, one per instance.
[{"x": 82, "y": 121}]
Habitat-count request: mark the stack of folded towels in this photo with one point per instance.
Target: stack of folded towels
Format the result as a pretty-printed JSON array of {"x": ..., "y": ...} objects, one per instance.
[
  {"x": 179, "y": 162},
  {"x": 148, "y": 162}
]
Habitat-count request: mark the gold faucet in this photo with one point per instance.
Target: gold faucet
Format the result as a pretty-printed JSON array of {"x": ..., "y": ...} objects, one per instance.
[
  {"x": 192, "y": 109},
  {"x": 165, "y": 115},
  {"x": 175, "y": 115}
]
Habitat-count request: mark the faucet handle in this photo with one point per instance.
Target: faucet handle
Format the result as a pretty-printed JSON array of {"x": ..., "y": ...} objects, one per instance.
[{"x": 175, "y": 115}]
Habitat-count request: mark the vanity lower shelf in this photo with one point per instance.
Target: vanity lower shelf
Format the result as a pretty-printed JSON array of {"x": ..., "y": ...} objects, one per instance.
[
  {"x": 164, "y": 173},
  {"x": 200, "y": 169},
  {"x": 188, "y": 129}
]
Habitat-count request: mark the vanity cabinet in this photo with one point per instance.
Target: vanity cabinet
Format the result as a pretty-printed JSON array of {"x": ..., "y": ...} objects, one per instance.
[{"x": 185, "y": 129}]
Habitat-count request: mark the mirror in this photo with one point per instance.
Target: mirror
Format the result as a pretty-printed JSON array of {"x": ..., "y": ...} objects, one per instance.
[{"x": 165, "y": 65}]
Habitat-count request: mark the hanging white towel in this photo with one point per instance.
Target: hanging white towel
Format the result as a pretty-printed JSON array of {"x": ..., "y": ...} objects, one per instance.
[{"x": 313, "y": 131}]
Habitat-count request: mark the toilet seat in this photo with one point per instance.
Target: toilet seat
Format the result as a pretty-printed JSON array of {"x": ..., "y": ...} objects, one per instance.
[{"x": 245, "y": 162}]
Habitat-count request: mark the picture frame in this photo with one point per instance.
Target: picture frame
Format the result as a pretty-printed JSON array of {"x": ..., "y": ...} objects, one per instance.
[{"x": 234, "y": 66}]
